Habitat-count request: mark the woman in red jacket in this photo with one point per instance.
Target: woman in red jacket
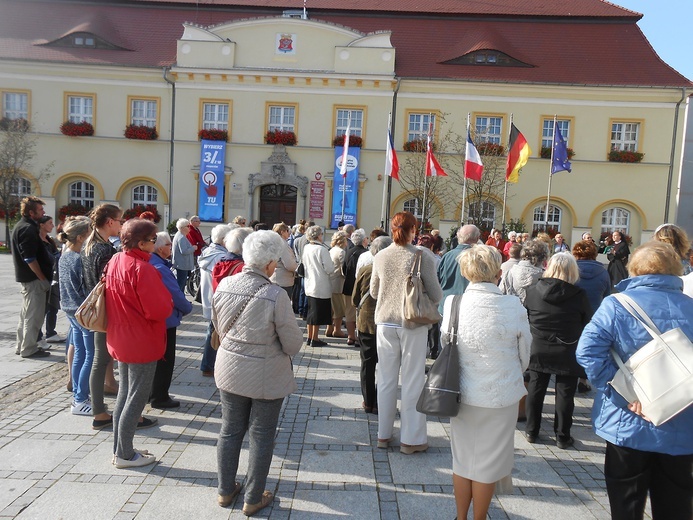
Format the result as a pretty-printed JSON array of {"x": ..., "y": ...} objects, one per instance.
[{"x": 138, "y": 304}]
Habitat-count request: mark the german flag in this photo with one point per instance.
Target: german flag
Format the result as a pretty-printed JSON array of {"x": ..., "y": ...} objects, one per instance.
[{"x": 518, "y": 154}]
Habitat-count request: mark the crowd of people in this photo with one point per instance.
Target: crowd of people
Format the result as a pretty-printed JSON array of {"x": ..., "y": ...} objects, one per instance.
[{"x": 550, "y": 308}]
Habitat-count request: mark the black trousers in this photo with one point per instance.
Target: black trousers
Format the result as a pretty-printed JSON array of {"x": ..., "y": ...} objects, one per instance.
[
  {"x": 369, "y": 358},
  {"x": 630, "y": 474},
  {"x": 164, "y": 368},
  {"x": 565, "y": 403}
]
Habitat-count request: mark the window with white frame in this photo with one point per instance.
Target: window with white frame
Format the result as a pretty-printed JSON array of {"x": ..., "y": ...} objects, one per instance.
[
  {"x": 343, "y": 116},
  {"x": 547, "y": 131},
  {"x": 144, "y": 195},
  {"x": 282, "y": 118},
  {"x": 483, "y": 213},
  {"x": 420, "y": 125},
  {"x": 82, "y": 192},
  {"x": 488, "y": 129},
  {"x": 554, "y": 220},
  {"x": 144, "y": 112},
  {"x": 624, "y": 136},
  {"x": 15, "y": 105},
  {"x": 412, "y": 206},
  {"x": 20, "y": 187},
  {"x": 80, "y": 108},
  {"x": 215, "y": 116},
  {"x": 616, "y": 219}
]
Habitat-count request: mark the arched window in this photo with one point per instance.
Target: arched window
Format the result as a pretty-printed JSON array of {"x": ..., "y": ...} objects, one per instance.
[
  {"x": 483, "y": 214},
  {"x": 82, "y": 192},
  {"x": 144, "y": 194},
  {"x": 20, "y": 187},
  {"x": 616, "y": 219},
  {"x": 554, "y": 220},
  {"x": 413, "y": 207}
]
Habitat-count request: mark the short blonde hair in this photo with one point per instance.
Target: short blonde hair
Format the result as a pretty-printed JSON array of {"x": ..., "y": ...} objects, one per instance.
[
  {"x": 655, "y": 258},
  {"x": 480, "y": 263},
  {"x": 674, "y": 235},
  {"x": 339, "y": 239},
  {"x": 564, "y": 267}
]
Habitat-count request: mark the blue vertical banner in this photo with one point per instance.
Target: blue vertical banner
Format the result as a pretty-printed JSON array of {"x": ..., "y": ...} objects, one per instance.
[
  {"x": 351, "y": 186},
  {"x": 211, "y": 198}
]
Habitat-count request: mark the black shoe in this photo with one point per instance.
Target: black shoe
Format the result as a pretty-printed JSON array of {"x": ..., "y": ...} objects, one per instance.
[
  {"x": 38, "y": 354},
  {"x": 100, "y": 424},
  {"x": 531, "y": 437},
  {"x": 146, "y": 423},
  {"x": 583, "y": 388},
  {"x": 164, "y": 405},
  {"x": 565, "y": 444},
  {"x": 318, "y": 343}
]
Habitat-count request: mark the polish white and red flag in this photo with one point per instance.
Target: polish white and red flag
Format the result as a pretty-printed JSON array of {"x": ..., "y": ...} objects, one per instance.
[
  {"x": 473, "y": 168},
  {"x": 433, "y": 168},
  {"x": 345, "y": 152},
  {"x": 391, "y": 162}
]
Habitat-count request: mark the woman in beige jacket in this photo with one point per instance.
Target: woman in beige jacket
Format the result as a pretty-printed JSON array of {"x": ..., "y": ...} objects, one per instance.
[{"x": 253, "y": 370}]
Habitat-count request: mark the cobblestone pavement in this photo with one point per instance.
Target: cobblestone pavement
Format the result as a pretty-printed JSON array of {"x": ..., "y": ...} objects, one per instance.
[{"x": 325, "y": 466}]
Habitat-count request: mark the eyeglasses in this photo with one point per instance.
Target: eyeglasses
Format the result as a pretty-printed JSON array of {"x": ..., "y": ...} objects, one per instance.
[
  {"x": 121, "y": 220},
  {"x": 152, "y": 240}
]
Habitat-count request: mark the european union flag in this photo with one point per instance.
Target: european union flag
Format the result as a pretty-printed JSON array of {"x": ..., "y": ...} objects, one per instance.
[{"x": 559, "y": 161}]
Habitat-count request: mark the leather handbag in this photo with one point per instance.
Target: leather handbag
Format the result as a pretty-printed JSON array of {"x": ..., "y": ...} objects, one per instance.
[
  {"x": 441, "y": 396},
  {"x": 418, "y": 307},
  {"x": 92, "y": 313},
  {"x": 659, "y": 374}
]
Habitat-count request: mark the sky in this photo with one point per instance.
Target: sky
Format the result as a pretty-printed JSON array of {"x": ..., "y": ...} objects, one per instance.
[{"x": 667, "y": 26}]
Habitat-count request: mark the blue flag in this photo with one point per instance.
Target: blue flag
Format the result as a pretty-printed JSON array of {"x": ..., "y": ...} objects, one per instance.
[{"x": 559, "y": 161}]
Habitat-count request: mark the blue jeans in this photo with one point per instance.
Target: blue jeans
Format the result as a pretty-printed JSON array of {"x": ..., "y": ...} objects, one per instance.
[
  {"x": 302, "y": 300},
  {"x": 83, "y": 341},
  {"x": 182, "y": 278},
  {"x": 209, "y": 355}
]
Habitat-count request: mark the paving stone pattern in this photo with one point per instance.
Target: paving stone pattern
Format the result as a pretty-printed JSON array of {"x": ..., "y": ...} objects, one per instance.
[{"x": 325, "y": 466}]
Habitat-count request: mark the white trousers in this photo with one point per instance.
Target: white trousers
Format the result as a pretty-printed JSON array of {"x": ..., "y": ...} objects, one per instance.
[{"x": 406, "y": 348}]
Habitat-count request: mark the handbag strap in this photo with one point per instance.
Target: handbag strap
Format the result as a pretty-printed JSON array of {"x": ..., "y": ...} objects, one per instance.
[
  {"x": 638, "y": 313},
  {"x": 240, "y": 311},
  {"x": 453, "y": 325},
  {"x": 416, "y": 265}
]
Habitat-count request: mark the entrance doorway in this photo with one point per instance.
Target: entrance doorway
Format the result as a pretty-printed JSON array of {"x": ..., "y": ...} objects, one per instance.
[{"x": 278, "y": 204}]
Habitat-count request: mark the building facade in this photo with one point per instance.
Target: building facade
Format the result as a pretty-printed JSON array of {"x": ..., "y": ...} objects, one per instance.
[{"x": 245, "y": 68}]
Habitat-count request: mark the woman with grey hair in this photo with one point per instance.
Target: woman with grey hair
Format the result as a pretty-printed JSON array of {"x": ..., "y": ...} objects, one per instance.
[
  {"x": 253, "y": 368},
  {"x": 163, "y": 375},
  {"x": 183, "y": 252},
  {"x": 351, "y": 258},
  {"x": 338, "y": 247},
  {"x": 234, "y": 264},
  {"x": 528, "y": 270},
  {"x": 558, "y": 310},
  {"x": 318, "y": 267},
  {"x": 364, "y": 303}
]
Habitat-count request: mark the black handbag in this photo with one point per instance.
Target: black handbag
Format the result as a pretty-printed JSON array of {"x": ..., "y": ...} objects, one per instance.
[{"x": 441, "y": 396}]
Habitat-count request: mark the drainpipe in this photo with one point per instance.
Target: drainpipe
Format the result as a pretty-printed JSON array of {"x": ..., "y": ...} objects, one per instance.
[
  {"x": 673, "y": 152},
  {"x": 171, "y": 142},
  {"x": 389, "y": 180}
]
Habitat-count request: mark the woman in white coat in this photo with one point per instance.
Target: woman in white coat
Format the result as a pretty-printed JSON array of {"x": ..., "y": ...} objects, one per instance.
[
  {"x": 492, "y": 360},
  {"x": 318, "y": 268}
]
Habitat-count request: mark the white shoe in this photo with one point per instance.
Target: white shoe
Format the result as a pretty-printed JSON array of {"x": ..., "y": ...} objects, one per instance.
[
  {"x": 55, "y": 338},
  {"x": 83, "y": 408},
  {"x": 138, "y": 460},
  {"x": 44, "y": 345}
]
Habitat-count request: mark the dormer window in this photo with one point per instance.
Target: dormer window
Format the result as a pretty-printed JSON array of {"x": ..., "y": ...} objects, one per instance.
[
  {"x": 83, "y": 41},
  {"x": 487, "y": 57}
]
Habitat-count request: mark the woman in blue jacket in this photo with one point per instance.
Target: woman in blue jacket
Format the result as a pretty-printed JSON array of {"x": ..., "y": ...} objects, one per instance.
[
  {"x": 641, "y": 457},
  {"x": 181, "y": 306}
]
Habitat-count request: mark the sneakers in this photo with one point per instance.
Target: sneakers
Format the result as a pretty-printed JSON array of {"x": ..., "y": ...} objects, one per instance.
[
  {"x": 83, "y": 408},
  {"x": 138, "y": 460},
  {"x": 56, "y": 338},
  {"x": 408, "y": 449},
  {"x": 251, "y": 509}
]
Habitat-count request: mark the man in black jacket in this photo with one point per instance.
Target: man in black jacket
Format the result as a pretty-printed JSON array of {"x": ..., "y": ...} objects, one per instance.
[{"x": 34, "y": 270}]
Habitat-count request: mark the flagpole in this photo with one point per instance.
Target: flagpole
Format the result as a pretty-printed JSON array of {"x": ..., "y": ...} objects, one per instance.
[
  {"x": 464, "y": 184},
  {"x": 385, "y": 177},
  {"x": 428, "y": 145},
  {"x": 548, "y": 195},
  {"x": 345, "y": 159},
  {"x": 505, "y": 190}
]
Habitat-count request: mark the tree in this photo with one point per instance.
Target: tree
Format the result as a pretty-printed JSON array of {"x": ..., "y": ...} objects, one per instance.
[{"x": 17, "y": 152}]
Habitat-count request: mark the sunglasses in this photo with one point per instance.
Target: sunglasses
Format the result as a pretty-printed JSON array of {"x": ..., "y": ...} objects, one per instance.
[{"x": 152, "y": 240}]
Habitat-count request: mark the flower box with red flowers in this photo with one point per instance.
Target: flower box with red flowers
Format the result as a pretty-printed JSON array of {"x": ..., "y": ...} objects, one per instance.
[
  {"x": 142, "y": 132},
  {"x": 490, "y": 149},
  {"x": 546, "y": 152},
  {"x": 138, "y": 209},
  {"x": 281, "y": 137},
  {"x": 73, "y": 209},
  {"x": 354, "y": 141},
  {"x": 19, "y": 124},
  {"x": 213, "y": 135},
  {"x": 81, "y": 129},
  {"x": 417, "y": 145},
  {"x": 625, "y": 156}
]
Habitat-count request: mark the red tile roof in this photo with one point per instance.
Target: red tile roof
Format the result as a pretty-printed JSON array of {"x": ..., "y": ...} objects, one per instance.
[{"x": 587, "y": 51}]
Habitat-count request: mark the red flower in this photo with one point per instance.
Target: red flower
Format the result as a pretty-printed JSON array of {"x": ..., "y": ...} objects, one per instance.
[
  {"x": 145, "y": 133},
  {"x": 490, "y": 149},
  {"x": 281, "y": 137},
  {"x": 77, "y": 129},
  {"x": 546, "y": 152},
  {"x": 213, "y": 135},
  {"x": 417, "y": 145},
  {"x": 72, "y": 209},
  {"x": 138, "y": 209},
  {"x": 354, "y": 141},
  {"x": 625, "y": 156}
]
